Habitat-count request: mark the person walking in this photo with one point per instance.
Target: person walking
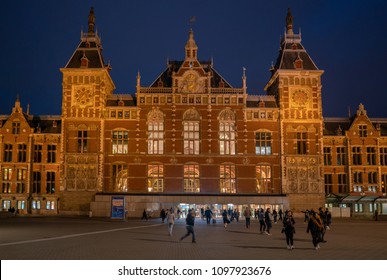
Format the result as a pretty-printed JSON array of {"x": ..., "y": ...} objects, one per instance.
[
  {"x": 280, "y": 214},
  {"x": 315, "y": 226},
  {"x": 289, "y": 229},
  {"x": 226, "y": 221},
  {"x": 144, "y": 215},
  {"x": 247, "y": 215},
  {"x": 268, "y": 221},
  {"x": 163, "y": 215},
  {"x": 208, "y": 213},
  {"x": 190, "y": 221},
  {"x": 171, "y": 221},
  {"x": 275, "y": 215},
  {"x": 261, "y": 218},
  {"x": 323, "y": 217}
]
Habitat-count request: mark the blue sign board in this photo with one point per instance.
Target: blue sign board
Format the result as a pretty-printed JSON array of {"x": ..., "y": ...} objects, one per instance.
[{"x": 118, "y": 208}]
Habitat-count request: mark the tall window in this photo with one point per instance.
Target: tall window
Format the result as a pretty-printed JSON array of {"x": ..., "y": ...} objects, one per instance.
[
  {"x": 301, "y": 143},
  {"x": 371, "y": 155},
  {"x": 36, "y": 204},
  {"x": 7, "y": 180},
  {"x": 7, "y": 153},
  {"x": 21, "y": 177},
  {"x": 51, "y": 153},
  {"x": 227, "y": 132},
  {"x": 120, "y": 142},
  {"x": 36, "y": 182},
  {"x": 363, "y": 130},
  {"x": 82, "y": 141},
  {"x": 191, "y": 178},
  {"x": 50, "y": 182},
  {"x": 357, "y": 177},
  {"x": 356, "y": 155},
  {"x": 340, "y": 152},
  {"x": 227, "y": 178},
  {"x": 120, "y": 177},
  {"x": 263, "y": 143},
  {"x": 191, "y": 132},
  {"x": 383, "y": 156},
  {"x": 327, "y": 156},
  {"x": 328, "y": 183},
  {"x": 342, "y": 183},
  {"x": 372, "y": 177},
  {"x": 50, "y": 205},
  {"x": 263, "y": 178},
  {"x": 37, "y": 153},
  {"x": 22, "y": 153},
  {"x": 16, "y": 128},
  {"x": 155, "y": 178},
  {"x": 155, "y": 132}
]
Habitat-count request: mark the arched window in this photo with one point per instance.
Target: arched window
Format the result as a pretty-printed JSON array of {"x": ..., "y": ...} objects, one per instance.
[
  {"x": 191, "y": 178},
  {"x": 227, "y": 132},
  {"x": 155, "y": 132},
  {"x": 155, "y": 178},
  {"x": 263, "y": 179},
  {"x": 227, "y": 178},
  {"x": 191, "y": 133},
  {"x": 120, "y": 142},
  {"x": 120, "y": 177}
]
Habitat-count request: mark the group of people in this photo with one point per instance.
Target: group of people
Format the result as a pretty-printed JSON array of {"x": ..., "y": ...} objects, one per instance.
[{"x": 318, "y": 222}]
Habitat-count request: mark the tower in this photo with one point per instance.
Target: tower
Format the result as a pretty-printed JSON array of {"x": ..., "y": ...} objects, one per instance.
[
  {"x": 86, "y": 86},
  {"x": 296, "y": 85}
]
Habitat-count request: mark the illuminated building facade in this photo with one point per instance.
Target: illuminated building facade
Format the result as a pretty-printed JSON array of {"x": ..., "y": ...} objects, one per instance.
[{"x": 190, "y": 139}]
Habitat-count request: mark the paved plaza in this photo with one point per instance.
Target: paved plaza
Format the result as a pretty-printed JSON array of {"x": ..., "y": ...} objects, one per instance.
[{"x": 83, "y": 238}]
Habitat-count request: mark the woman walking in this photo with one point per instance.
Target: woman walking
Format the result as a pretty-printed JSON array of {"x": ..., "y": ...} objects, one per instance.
[
  {"x": 316, "y": 227},
  {"x": 289, "y": 229},
  {"x": 171, "y": 221}
]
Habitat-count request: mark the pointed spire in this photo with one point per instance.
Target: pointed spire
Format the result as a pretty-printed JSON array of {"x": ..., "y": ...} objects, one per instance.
[
  {"x": 91, "y": 21},
  {"x": 289, "y": 22},
  {"x": 191, "y": 47}
]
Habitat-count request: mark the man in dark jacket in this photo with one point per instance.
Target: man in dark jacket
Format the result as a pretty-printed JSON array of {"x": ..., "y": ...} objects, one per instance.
[{"x": 190, "y": 220}]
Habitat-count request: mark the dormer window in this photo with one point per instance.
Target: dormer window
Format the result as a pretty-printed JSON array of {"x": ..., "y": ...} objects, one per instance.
[
  {"x": 84, "y": 61},
  {"x": 298, "y": 63},
  {"x": 363, "y": 130},
  {"x": 221, "y": 84},
  {"x": 160, "y": 83},
  {"x": 294, "y": 46},
  {"x": 16, "y": 128}
]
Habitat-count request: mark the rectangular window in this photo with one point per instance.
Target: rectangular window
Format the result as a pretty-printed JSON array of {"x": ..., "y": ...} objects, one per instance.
[
  {"x": 21, "y": 204},
  {"x": 120, "y": 142},
  {"x": 50, "y": 182},
  {"x": 359, "y": 207},
  {"x": 36, "y": 182},
  {"x": 50, "y": 205},
  {"x": 7, "y": 153},
  {"x": 341, "y": 156},
  {"x": 383, "y": 156},
  {"x": 372, "y": 177},
  {"x": 191, "y": 138},
  {"x": 356, "y": 156},
  {"x": 328, "y": 183},
  {"x": 82, "y": 141},
  {"x": 156, "y": 138},
  {"x": 22, "y": 153},
  {"x": 371, "y": 155},
  {"x": 38, "y": 153},
  {"x": 263, "y": 179},
  {"x": 358, "y": 177},
  {"x": 36, "y": 204},
  {"x": 191, "y": 178},
  {"x": 263, "y": 143},
  {"x": 301, "y": 143},
  {"x": 227, "y": 178},
  {"x": 15, "y": 128},
  {"x": 155, "y": 178},
  {"x": 6, "y": 205},
  {"x": 226, "y": 138},
  {"x": 342, "y": 183},
  {"x": 51, "y": 153},
  {"x": 6, "y": 187},
  {"x": 21, "y": 177},
  {"x": 327, "y": 156},
  {"x": 363, "y": 130},
  {"x": 7, "y": 180}
]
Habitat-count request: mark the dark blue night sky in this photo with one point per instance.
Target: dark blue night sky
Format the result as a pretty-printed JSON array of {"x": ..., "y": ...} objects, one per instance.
[{"x": 347, "y": 39}]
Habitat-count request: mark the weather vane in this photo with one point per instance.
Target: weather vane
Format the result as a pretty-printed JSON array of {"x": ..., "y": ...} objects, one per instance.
[{"x": 192, "y": 19}]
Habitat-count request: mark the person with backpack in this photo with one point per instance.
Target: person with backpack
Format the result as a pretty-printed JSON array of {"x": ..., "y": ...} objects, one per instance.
[{"x": 316, "y": 227}]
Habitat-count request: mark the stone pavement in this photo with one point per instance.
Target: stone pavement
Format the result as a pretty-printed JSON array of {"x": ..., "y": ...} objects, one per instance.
[{"x": 82, "y": 238}]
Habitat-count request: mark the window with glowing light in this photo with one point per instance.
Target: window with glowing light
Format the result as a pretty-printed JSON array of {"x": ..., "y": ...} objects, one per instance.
[
  {"x": 227, "y": 178},
  {"x": 227, "y": 133},
  {"x": 155, "y": 178},
  {"x": 191, "y": 178},
  {"x": 120, "y": 177},
  {"x": 120, "y": 142},
  {"x": 263, "y": 179}
]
